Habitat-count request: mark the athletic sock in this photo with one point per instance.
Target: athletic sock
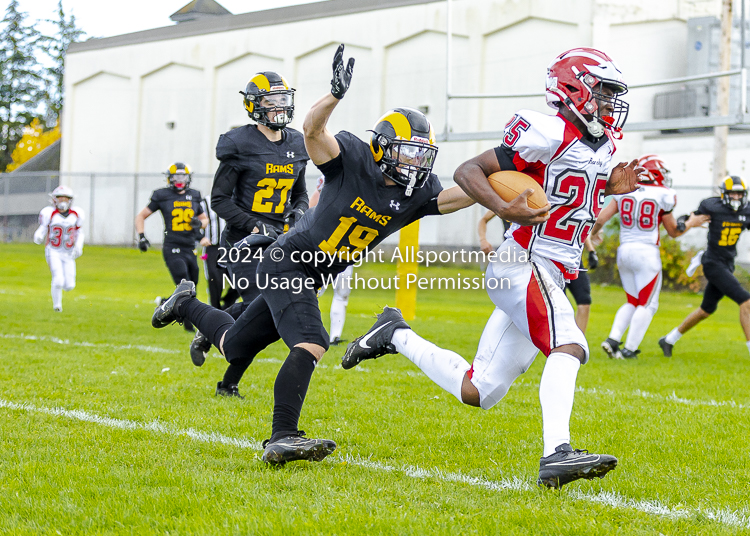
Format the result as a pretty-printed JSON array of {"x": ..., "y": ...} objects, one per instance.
[
  {"x": 748, "y": 345},
  {"x": 556, "y": 394},
  {"x": 622, "y": 321},
  {"x": 445, "y": 368},
  {"x": 673, "y": 336},
  {"x": 638, "y": 326},
  {"x": 338, "y": 316},
  {"x": 212, "y": 322},
  {"x": 57, "y": 297},
  {"x": 235, "y": 371},
  {"x": 289, "y": 391}
]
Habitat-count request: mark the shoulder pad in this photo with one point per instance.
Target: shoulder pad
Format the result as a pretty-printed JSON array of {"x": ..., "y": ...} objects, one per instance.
[{"x": 226, "y": 148}]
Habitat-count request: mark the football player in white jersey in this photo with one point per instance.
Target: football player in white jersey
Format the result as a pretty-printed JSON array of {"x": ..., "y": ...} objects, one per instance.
[
  {"x": 638, "y": 258},
  {"x": 341, "y": 285},
  {"x": 569, "y": 155},
  {"x": 60, "y": 229}
]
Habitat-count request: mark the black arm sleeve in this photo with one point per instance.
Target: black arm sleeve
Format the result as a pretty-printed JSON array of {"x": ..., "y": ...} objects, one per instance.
[
  {"x": 505, "y": 158},
  {"x": 299, "y": 198},
  {"x": 225, "y": 181}
]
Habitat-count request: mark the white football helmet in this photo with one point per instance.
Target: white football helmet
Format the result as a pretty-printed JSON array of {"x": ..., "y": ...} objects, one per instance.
[{"x": 62, "y": 197}]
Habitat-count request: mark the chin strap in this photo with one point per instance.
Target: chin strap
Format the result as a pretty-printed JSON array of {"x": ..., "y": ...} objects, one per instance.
[{"x": 594, "y": 127}]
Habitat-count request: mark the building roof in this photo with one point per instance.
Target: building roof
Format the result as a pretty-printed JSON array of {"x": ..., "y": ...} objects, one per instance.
[
  {"x": 46, "y": 160},
  {"x": 270, "y": 17},
  {"x": 199, "y": 9}
]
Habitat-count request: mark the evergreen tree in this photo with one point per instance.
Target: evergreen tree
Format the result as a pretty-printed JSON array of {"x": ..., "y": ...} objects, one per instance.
[
  {"x": 66, "y": 32},
  {"x": 22, "y": 83}
]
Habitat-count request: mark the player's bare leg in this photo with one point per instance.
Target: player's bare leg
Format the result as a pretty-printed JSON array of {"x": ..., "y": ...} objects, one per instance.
[
  {"x": 582, "y": 317},
  {"x": 745, "y": 320}
]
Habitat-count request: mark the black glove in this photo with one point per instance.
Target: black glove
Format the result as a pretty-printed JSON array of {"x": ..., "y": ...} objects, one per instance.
[
  {"x": 196, "y": 223},
  {"x": 143, "y": 243},
  {"x": 266, "y": 235},
  {"x": 593, "y": 260},
  {"x": 341, "y": 77},
  {"x": 682, "y": 222},
  {"x": 292, "y": 216}
]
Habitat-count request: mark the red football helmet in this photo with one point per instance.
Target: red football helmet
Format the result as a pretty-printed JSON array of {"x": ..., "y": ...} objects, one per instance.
[
  {"x": 576, "y": 79},
  {"x": 656, "y": 171}
]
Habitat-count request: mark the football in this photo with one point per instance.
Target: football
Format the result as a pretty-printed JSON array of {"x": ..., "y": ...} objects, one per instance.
[{"x": 509, "y": 185}]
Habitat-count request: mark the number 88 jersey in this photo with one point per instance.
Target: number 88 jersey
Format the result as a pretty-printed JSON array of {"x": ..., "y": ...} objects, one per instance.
[
  {"x": 572, "y": 170},
  {"x": 641, "y": 212}
]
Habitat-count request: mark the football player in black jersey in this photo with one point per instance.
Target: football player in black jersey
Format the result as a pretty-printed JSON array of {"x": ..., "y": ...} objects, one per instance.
[
  {"x": 730, "y": 215},
  {"x": 183, "y": 215},
  {"x": 371, "y": 191},
  {"x": 259, "y": 190}
]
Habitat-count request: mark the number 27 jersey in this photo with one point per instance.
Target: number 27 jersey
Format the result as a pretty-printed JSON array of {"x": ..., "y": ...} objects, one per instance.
[{"x": 571, "y": 169}]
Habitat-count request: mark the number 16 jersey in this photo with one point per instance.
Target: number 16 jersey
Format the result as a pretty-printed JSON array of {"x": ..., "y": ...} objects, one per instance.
[{"x": 571, "y": 169}]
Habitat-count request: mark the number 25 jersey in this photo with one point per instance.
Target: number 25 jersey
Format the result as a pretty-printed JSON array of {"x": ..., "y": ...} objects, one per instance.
[
  {"x": 177, "y": 209},
  {"x": 570, "y": 168}
]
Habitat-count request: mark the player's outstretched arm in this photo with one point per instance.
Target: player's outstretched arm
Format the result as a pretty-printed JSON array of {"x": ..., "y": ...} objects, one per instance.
[
  {"x": 453, "y": 199},
  {"x": 623, "y": 179},
  {"x": 472, "y": 175},
  {"x": 678, "y": 227},
  {"x": 319, "y": 142}
]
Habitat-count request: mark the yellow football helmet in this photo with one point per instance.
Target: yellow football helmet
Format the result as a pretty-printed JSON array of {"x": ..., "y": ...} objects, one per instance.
[
  {"x": 733, "y": 184},
  {"x": 403, "y": 145},
  {"x": 178, "y": 176},
  {"x": 267, "y": 93}
]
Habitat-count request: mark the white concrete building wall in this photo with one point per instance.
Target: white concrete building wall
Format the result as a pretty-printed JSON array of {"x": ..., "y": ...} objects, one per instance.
[{"x": 123, "y": 92}]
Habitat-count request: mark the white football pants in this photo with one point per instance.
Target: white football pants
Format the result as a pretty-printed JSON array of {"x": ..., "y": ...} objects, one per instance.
[{"x": 62, "y": 265}]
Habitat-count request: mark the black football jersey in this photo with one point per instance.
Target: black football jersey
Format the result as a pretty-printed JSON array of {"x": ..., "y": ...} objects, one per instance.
[
  {"x": 356, "y": 209},
  {"x": 177, "y": 211},
  {"x": 724, "y": 229},
  {"x": 257, "y": 178}
]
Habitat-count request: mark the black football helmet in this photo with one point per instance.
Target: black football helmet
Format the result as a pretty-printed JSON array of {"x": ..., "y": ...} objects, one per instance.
[
  {"x": 178, "y": 176},
  {"x": 731, "y": 184},
  {"x": 266, "y": 93},
  {"x": 403, "y": 145}
]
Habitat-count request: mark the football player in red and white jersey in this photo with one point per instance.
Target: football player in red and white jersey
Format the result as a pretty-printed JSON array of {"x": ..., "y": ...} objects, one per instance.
[
  {"x": 638, "y": 258},
  {"x": 60, "y": 229},
  {"x": 569, "y": 155}
]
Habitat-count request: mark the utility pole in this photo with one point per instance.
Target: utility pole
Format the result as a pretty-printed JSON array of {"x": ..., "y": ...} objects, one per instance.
[{"x": 725, "y": 63}]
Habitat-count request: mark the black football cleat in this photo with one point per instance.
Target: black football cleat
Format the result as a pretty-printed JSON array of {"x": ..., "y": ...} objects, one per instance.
[
  {"x": 566, "y": 465},
  {"x": 296, "y": 447},
  {"x": 612, "y": 347},
  {"x": 629, "y": 354},
  {"x": 164, "y": 313},
  {"x": 199, "y": 349},
  {"x": 377, "y": 341},
  {"x": 336, "y": 341},
  {"x": 666, "y": 347},
  {"x": 231, "y": 391}
]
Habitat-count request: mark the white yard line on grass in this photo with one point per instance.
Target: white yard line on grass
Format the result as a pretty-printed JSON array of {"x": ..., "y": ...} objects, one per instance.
[
  {"x": 43, "y": 338},
  {"x": 732, "y": 518}
]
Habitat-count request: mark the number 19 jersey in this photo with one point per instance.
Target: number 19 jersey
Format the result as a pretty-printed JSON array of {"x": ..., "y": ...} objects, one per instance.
[
  {"x": 641, "y": 212},
  {"x": 571, "y": 169}
]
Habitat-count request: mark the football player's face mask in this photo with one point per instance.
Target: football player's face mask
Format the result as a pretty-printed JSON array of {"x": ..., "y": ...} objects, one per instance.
[
  {"x": 587, "y": 82},
  {"x": 62, "y": 203},
  {"x": 269, "y": 100},
  {"x": 403, "y": 145},
  {"x": 734, "y": 193}
]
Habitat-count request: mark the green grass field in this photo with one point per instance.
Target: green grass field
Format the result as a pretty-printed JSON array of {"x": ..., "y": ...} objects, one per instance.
[{"x": 107, "y": 427}]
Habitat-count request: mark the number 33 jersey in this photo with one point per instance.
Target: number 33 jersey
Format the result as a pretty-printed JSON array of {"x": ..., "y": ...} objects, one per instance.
[
  {"x": 570, "y": 168},
  {"x": 641, "y": 212},
  {"x": 57, "y": 231},
  {"x": 177, "y": 209},
  {"x": 724, "y": 229}
]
